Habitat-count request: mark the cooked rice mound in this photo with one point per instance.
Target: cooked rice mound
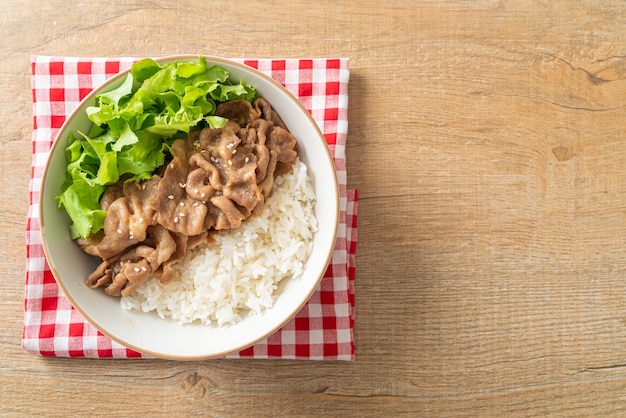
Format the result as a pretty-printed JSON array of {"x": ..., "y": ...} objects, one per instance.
[{"x": 237, "y": 273}]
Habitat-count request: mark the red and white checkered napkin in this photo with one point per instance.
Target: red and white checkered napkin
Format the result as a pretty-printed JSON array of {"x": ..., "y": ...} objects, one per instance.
[{"x": 322, "y": 330}]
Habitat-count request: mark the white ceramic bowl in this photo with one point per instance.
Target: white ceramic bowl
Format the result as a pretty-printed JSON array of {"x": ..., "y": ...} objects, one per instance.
[{"x": 147, "y": 333}]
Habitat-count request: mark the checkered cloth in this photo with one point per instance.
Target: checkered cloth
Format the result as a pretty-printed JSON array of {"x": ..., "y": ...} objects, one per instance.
[{"x": 322, "y": 330}]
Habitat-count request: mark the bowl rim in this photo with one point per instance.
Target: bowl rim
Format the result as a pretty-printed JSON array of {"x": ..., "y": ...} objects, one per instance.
[{"x": 213, "y": 60}]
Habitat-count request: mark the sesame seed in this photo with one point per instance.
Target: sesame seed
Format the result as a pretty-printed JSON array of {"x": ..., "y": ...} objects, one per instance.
[
  {"x": 171, "y": 197},
  {"x": 176, "y": 220},
  {"x": 140, "y": 220},
  {"x": 181, "y": 203},
  {"x": 182, "y": 185},
  {"x": 136, "y": 269},
  {"x": 195, "y": 204},
  {"x": 172, "y": 166},
  {"x": 234, "y": 151},
  {"x": 182, "y": 215},
  {"x": 143, "y": 268},
  {"x": 195, "y": 190},
  {"x": 230, "y": 162},
  {"x": 247, "y": 159},
  {"x": 143, "y": 186},
  {"x": 119, "y": 230}
]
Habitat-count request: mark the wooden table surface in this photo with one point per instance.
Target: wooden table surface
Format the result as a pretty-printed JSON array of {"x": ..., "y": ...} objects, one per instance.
[{"x": 487, "y": 142}]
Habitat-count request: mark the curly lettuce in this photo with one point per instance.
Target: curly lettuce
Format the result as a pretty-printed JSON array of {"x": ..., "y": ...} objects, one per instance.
[{"x": 133, "y": 128}]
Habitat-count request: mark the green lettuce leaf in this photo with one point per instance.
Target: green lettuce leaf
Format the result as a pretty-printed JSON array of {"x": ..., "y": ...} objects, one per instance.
[{"x": 81, "y": 201}]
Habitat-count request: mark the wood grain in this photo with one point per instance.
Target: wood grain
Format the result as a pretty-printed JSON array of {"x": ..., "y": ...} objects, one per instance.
[{"x": 486, "y": 141}]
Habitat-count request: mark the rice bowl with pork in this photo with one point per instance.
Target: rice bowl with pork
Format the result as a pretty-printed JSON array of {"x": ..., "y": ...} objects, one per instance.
[{"x": 215, "y": 332}]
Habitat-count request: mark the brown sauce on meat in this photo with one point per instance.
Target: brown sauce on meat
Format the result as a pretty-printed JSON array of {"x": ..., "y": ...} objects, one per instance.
[{"x": 217, "y": 178}]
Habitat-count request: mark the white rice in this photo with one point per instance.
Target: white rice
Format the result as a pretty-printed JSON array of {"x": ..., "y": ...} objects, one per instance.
[{"x": 238, "y": 272}]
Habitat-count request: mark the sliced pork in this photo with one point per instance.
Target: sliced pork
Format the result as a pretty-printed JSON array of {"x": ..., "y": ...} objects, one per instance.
[{"x": 216, "y": 179}]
